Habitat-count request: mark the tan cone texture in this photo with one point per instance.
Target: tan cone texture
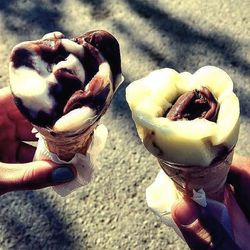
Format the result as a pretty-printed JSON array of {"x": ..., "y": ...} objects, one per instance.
[
  {"x": 64, "y": 145},
  {"x": 211, "y": 179}
]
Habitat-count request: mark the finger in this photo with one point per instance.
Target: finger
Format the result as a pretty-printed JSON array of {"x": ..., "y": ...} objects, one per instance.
[
  {"x": 25, "y": 152},
  {"x": 23, "y": 126},
  {"x": 185, "y": 214},
  {"x": 24, "y": 131},
  {"x": 240, "y": 167},
  {"x": 33, "y": 175},
  {"x": 239, "y": 178},
  {"x": 200, "y": 229},
  {"x": 239, "y": 221}
]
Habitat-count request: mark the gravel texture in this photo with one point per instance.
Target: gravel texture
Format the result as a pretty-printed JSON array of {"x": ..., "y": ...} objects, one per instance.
[{"x": 111, "y": 212}]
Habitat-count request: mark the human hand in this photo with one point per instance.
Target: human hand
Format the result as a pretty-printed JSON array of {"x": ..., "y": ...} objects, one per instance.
[
  {"x": 17, "y": 171},
  {"x": 200, "y": 228}
]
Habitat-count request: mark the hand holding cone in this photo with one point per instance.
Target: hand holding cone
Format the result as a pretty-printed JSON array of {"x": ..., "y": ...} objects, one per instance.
[
  {"x": 190, "y": 123},
  {"x": 64, "y": 86}
]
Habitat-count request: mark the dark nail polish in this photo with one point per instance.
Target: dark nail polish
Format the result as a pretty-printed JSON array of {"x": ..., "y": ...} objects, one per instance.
[{"x": 62, "y": 174}]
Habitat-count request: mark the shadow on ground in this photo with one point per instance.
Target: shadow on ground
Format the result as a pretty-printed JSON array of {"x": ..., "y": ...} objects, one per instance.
[
  {"x": 185, "y": 40},
  {"x": 99, "y": 8},
  {"x": 188, "y": 37},
  {"x": 38, "y": 16},
  {"x": 40, "y": 225}
]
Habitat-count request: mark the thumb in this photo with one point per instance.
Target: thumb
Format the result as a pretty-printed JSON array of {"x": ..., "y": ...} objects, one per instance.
[
  {"x": 33, "y": 175},
  {"x": 199, "y": 228}
]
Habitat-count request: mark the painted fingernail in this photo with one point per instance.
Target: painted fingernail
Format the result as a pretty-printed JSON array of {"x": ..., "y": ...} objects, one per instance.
[
  {"x": 186, "y": 212},
  {"x": 62, "y": 174}
]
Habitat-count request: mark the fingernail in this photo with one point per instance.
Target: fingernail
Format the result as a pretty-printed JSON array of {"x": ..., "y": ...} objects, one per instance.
[
  {"x": 62, "y": 174},
  {"x": 186, "y": 212}
]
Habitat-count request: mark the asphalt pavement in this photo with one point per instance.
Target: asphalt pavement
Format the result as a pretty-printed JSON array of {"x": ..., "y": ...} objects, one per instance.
[{"x": 111, "y": 212}]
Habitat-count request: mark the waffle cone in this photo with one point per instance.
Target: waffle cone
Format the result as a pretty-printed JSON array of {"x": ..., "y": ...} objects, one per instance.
[
  {"x": 211, "y": 179},
  {"x": 66, "y": 145}
]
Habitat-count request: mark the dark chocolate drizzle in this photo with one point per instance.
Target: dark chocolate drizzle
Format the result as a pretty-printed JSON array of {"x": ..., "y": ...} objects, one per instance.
[
  {"x": 52, "y": 51},
  {"x": 107, "y": 45},
  {"x": 42, "y": 118},
  {"x": 70, "y": 93},
  {"x": 22, "y": 57},
  {"x": 82, "y": 98},
  {"x": 194, "y": 104}
]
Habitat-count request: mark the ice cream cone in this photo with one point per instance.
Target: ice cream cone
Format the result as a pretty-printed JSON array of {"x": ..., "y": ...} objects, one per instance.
[
  {"x": 70, "y": 85},
  {"x": 66, "y": 145},
  {"x": 190, "y": 123},
  {"x": 211, "y": 179}
]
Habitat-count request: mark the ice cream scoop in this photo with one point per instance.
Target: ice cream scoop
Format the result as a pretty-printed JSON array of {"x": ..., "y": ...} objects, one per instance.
[
  {"x": 183, "y": 118},
  {"x": 58, "y": 81}
]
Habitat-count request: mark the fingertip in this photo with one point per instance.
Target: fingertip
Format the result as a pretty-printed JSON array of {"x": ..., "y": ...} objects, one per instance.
[
  {"x": 186, "y": 215},
  {"x": 34, "y": 175},
  {"x": 185, "y": 212},
  {"x": 56, "y": 174},
  {"x": 239, "y": 171},
  {"x": 41, "y": 174},
  {"x": 62, "y": 174}
]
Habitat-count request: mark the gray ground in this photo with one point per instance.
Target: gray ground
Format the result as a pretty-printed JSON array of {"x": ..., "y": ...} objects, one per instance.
[{"x": 111, "y": 212}]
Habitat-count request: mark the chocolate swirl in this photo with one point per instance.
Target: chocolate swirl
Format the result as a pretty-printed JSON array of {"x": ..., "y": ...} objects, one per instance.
[
  {"x": 72, "y": 74},
  {"x": 194, "y": 104}
]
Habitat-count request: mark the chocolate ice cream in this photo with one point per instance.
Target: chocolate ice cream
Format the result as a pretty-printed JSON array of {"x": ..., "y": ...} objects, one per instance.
[{"x": 53, "y": 76}]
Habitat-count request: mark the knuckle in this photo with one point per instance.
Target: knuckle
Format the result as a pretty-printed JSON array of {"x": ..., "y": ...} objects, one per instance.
[{"x": 27, "y": 179}]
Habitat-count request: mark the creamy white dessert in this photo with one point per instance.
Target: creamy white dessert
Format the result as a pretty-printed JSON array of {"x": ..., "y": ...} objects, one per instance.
[{"x": 182, "y": 137}]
